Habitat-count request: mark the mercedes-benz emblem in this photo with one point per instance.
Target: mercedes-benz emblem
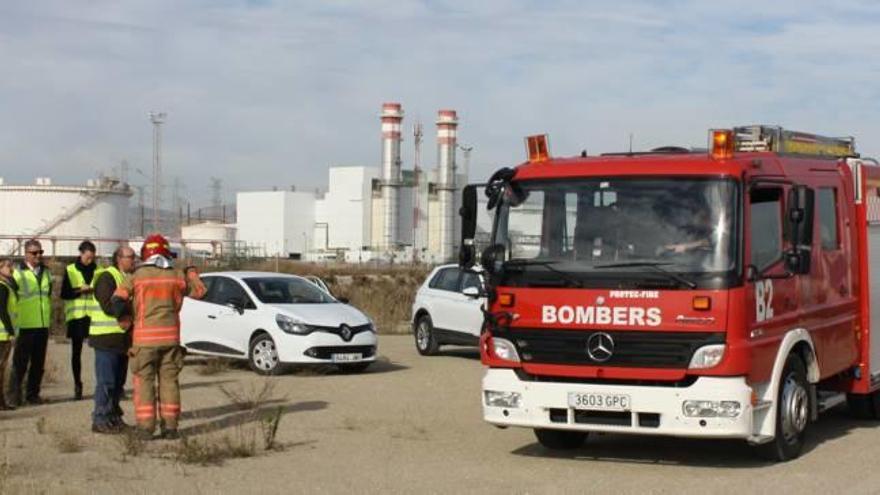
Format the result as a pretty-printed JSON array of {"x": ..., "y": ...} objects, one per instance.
[
  {"x": 600, "y": 347},
  {"x": 345, "y": 332}
]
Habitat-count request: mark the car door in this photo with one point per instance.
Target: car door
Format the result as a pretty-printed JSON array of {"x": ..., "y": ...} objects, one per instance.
[
  {"x": 470, "y": 318},
  {"x": 194, "y": 323},
  {"x": 228, "y": 330},
  {"x": 445, "y": 298}
]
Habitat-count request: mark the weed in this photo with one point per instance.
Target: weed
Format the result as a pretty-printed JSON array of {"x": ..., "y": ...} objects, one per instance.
[
  {"x": 269, "y": 427},
  {"x": 132, "y": 444},
  {"x": 67, "y": 442},
  {"x": 213, "y": 450},
  {"x": 213, "y": 366},
  {"x": 251, "y": 396},
  {"x": 42, "y": 425}
]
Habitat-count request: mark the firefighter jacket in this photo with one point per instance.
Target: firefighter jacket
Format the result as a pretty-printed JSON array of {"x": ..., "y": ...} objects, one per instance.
[
  {"x": 34, "y": 297},
  {"x": 157, "y": 295}
]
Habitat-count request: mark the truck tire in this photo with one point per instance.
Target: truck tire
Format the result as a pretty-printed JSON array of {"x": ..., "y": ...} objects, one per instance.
[
  {"x": 864, "y": 406},
  {"x": 560, "y": 439},
  {"x": 426, "y": 340},
  {"x": 792, "y": 413}
]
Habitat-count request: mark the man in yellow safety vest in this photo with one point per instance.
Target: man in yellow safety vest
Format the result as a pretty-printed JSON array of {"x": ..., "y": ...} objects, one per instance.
[
  {"x": 8, "y": 317},
  {"x": 78, "y": 294},
  {"x": 109, "y": 336},
  {"x": 34, "y": 318}
]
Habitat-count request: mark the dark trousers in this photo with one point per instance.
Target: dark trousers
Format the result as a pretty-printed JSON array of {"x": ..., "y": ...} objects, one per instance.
[
  {"x": 77, "y": 331},
  {"x": 29, "y": 358},
  {"x": 110, "y": 371}
]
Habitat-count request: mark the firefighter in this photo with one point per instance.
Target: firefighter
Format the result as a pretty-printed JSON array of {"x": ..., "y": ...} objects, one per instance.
[
  {"x": 78, "y": 294},
  {"x": 109, "y": 337},
  {"x": 8, "y": 308},
  {"x": 34, "y": 317},
  {"x": 156, "y": 290}
]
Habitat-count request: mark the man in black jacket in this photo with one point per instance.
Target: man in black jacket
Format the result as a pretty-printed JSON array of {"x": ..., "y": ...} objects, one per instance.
[{"x": 79, "y": 301}]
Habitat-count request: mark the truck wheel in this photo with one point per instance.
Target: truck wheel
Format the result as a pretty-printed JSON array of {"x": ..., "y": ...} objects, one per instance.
[
  {"x": 792, "y": 413},
  {"x": 426, "y": 341},
  {"x": 864, "y": 406},
  {"x": 560, "y": 439}
]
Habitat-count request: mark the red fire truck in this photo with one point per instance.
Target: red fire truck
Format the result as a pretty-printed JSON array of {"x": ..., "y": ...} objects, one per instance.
[{"x": 720, "y": 293}]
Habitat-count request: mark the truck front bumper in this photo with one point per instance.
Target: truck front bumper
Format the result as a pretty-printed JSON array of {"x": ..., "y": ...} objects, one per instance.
[{"x": 652, "y": 410}]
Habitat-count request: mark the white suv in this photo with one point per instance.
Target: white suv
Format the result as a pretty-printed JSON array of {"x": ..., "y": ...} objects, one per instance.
[{"x": 443, "y": 314}]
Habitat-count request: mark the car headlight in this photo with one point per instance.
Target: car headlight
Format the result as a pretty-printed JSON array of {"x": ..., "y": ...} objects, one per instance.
[
  {"x": 292, "y": 325},
  {"x": 707, "y": 356}
]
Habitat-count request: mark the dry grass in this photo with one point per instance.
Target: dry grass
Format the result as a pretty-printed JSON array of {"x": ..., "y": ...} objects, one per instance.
[
  {"x": 42, "y": 425},
  {"x": 269, "y": 427},
  {"x": 215, "y": 449},
  {"x": 67, "y": 442},
  {"x": 251, "y": 396},
  {"x": 132, "y": 444},
  {"x": 213, "y": 366}
]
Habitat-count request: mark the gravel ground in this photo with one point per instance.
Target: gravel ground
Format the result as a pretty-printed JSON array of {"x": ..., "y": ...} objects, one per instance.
[{"x": 410, "y": 424}]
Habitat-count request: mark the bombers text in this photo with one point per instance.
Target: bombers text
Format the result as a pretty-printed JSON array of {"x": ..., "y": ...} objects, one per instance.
[{"x": 601, "y": 315}]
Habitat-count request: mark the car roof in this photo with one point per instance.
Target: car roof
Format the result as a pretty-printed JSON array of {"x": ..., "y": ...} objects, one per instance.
[{"x": 250, "y": 274}]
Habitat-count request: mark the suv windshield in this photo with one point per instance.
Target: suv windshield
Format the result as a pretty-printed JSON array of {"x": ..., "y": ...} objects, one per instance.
[
  {"x": 679, "y": 231},
  {"x": 287, "y": 290}
]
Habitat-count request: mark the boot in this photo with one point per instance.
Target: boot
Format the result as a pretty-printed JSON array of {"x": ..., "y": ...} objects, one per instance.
[
  {"x": 107, "y": 429},
  {"x": 170, "y": 434}
]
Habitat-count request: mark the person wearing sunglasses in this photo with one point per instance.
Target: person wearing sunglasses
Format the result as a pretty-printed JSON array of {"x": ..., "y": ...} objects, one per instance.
[
  {"x": 34, "y": 318},
  {"x": 77, "y": 292}
]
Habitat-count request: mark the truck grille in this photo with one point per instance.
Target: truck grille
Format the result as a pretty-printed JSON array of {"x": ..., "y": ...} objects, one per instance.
[{"x": 655, "y": 349}]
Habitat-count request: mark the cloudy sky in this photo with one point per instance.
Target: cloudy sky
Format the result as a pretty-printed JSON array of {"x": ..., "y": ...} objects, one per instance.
[{"x": 263, "y": 93}]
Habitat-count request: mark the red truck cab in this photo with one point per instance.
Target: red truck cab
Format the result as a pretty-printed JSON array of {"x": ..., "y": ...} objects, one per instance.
[{"x": 718, "y": 293}]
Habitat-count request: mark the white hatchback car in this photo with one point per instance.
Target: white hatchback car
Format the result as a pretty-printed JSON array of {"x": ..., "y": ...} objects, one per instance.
[
  {"x": 443, "y": 314},
  {"x": 272, "y": 319}
]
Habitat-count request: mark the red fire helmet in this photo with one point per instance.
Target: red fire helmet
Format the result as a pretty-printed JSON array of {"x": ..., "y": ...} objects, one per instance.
[{"x": 155, "y": 244}]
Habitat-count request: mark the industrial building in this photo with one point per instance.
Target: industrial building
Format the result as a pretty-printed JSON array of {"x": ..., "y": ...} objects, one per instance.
[
  {"x": 368, "y": 213},
  {"x": 63, "y": 215}
]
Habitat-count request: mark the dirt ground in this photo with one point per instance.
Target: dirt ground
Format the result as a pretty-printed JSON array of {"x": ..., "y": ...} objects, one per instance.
[{"x": 409, "y": 425}]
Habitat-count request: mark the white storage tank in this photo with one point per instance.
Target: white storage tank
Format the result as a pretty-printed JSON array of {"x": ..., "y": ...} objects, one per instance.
[
  {"x": 62, "y": 216},
  {"x": 209, "y": 238}
]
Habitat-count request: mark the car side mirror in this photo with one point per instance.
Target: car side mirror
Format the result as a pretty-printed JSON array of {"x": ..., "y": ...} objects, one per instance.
[
  {"x": 468, "y": 212},
  {"x": 236, "y": 304},
  {"x": 472, "y": 292}
]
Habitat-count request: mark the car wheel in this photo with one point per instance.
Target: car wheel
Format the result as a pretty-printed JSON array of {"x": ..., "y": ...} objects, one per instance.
[
  {"x": 353, "y": 367},
  {"x": 792, "y": 413},
  {"x": 263, "y": 356},
  {"x": 560, "y": 439},
  {"x": 426, "y": 341}
]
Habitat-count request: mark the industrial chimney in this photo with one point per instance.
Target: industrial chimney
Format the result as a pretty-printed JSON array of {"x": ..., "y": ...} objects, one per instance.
[
  {"x": 447, "y": 123},
  {"x": 392, "y": 115}
]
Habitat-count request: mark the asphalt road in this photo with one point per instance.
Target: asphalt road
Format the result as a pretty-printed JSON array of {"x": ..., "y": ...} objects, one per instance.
[{"x": 410, "y": 424}]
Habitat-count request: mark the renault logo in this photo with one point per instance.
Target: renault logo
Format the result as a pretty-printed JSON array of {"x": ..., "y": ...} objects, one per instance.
[
  {"x": 600, "y": 347},
  {"x": 345, "y": 332}
]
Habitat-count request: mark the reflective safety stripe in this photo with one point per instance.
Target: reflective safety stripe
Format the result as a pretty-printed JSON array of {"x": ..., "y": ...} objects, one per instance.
[
  {"x": 34, "y": 298},
  {"x": 85, "y": 304},
  {"x": 102, "y": 323},
  {"x": 169, "y": 410}
]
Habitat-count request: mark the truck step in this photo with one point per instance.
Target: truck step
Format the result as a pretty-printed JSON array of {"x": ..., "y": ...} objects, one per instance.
[{"x": 827, "y": 400}]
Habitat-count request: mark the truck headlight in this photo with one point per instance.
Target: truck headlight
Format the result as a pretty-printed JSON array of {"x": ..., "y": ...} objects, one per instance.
[
  {"x": 707, "y": 356},
  {"x": 292, "y": 325},
  {"x": 495, "y": 398},
  {"x": 711, "y": 408},
  {"x": 504, "y": 349}
]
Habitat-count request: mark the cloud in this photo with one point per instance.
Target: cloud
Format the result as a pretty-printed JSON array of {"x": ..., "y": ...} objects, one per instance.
[{"x": 265, "y": 93}]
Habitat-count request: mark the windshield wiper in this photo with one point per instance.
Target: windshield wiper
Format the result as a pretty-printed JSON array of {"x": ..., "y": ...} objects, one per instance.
[
  {"x": 548, "y": 264},
  {"x": 656, "y": 266}
]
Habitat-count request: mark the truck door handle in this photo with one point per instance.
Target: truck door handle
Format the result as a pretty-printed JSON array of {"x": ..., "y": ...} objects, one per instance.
[{"x": 213, "y": 317}]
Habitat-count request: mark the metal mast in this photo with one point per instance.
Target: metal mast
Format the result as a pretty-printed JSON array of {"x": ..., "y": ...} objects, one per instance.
[
  {"x": 418, "y": 134},
  {"x": 157, "y": 118}
]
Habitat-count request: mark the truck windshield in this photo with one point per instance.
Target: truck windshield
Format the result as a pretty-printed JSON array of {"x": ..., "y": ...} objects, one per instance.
[{"x": 624, "y": 231}]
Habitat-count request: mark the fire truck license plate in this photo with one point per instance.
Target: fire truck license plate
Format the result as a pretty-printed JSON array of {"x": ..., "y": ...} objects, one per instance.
[
  {"x": 351, "y": 356},
  {"x": 599, "y": 402}
]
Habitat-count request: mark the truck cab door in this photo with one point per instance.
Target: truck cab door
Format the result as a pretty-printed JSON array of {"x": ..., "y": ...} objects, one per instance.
[{"x": 772, "y": 303}]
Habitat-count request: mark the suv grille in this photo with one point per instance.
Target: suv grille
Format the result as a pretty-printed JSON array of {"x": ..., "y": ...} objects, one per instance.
[{"x": 654, "y": 349}]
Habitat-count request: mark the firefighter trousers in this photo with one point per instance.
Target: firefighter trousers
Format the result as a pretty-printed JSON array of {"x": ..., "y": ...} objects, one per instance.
[{"x": 156, "y": 368}]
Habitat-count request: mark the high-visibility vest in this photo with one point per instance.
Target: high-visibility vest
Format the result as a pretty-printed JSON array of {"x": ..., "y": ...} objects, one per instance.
[
  {"x": 34, "y": 299},
  {"x": 84, "y": 304},
  {"x": 12, "y": 309},
  {"x": 102, "y": 323}
]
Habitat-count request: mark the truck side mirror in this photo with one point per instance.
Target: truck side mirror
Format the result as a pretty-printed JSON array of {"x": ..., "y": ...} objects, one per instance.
[
  {"x": 801, "y": 209},
  {"x": 468, "y": 212},
  {"x": 492, "y": 258}
]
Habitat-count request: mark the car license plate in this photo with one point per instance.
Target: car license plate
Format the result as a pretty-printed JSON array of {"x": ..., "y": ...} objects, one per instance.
[
  {"x": 350, "y": 356},
  {"x": 599, "y": 402}
]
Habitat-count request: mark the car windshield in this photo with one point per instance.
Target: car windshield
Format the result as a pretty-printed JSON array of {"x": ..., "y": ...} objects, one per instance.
[
  {"x": 287, "y": 290},
  {"x": 594, "y": 226}
]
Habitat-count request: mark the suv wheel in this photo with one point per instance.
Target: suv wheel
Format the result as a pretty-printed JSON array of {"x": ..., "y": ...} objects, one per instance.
[
  {"x": 263, "y": 356},
  {"x": 426, "y": 341}
]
